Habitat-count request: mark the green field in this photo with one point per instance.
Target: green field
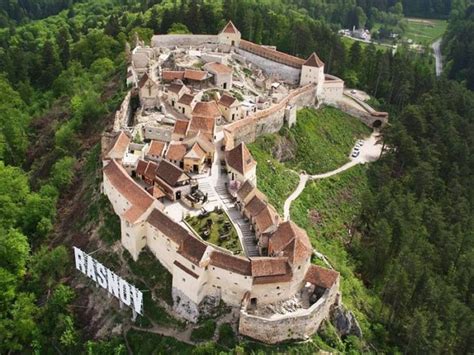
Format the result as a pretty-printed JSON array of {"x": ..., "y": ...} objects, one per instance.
[
  {"x": 323, "y": 139},
  {"x": 217, "y": 229},
  {"x": 348, "y": 42},
  {"x": 423, "y": 31}
]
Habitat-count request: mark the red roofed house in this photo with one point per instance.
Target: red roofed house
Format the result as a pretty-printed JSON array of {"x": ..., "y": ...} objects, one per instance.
[
  {"x": 180, "y": 129},
  {"x": 174, "y": 92},
  {"x": 196, "y": 78},
  {"x": 222, "y": 75},
  {"x": 230, "y": 108},
  {"x": 240, "y": 165},
  {"x": 155, "y": 150},
  {"x": 186, "y": 104},
  {"x": 148, "y": 92}
]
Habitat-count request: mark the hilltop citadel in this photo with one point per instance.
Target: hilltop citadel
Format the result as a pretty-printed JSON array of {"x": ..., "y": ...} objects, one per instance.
[{"x": 178, "y": 151}]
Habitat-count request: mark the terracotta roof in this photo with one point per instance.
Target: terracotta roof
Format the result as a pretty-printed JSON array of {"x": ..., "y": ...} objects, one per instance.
[
  {"x": 150, "y": 170},
  {"x": 180, "y": 127},
  {"x": 197, "y": 75},
  {"x": 144, "y": 79},
  {"x": 185, "y": 269},
  {"x": 206, "y": 109},
  {"x": 204, "y": 124},
  {"x": 240, "y": 159},
  {"x": 156, "y": 192},
  {"x": 230, "y": 262},
  {"x": 230, "y": 28},
  {"x": 119, "y": 146},
  {"x": 202, "y": 140},
  {"x": 169, "y": 75},
  {"x": 271, "y": 54},
  {"x": 167, "y": 226},
  {"x": 227, "y": 100},
  {"x": 175, "y": 88},
  {"x": 186, "y": 99},
  {"x": 321, "y": 276},
  {"x": 267, "y": 266},
  {"x": 192, "y": 249},
  {"x": 267, "y": 218},
  {"x": 314, "y": 61},
  {"x": 141, "y": 167},
  {"x": 196, "y": 152},
  {"x": 245, "y": 190},
  {"x": 218, "y": 68},
  {"x": 291, "y": 241},
  {"x": 176, "y": 151},
  {"x": 156, "y": 148},
  {"x": 255, "y": 205},
  {"x": 274, "y": 279},
  {"x": 138, "y": 198},
  {"x": 169, "y": 172}
]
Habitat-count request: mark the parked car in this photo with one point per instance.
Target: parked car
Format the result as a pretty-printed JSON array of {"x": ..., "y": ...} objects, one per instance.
[{"x": 355, "y": 154}]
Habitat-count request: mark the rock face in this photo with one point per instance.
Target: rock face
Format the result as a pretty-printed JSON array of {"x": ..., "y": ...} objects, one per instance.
[
  {"x": 183, "y": 306},
  {"x": 345, "y": 322}
]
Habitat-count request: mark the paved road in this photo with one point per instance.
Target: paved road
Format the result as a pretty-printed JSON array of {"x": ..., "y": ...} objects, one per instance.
[
  {"x": 438, "y": 56},
  {"x": 369, "y": 152}
]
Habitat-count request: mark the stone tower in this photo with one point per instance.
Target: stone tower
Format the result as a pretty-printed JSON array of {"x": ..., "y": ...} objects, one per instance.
[
  {"x": 230, "y": 35},
  {"x": 312, "y": 72}
]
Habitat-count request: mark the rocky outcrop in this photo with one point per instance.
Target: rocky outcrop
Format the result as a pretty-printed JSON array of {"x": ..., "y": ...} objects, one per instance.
[{"x": 345, "y": 322}]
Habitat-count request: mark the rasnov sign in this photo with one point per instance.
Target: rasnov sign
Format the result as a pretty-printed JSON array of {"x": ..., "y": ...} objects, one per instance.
[{"x": 107, "y": 279}]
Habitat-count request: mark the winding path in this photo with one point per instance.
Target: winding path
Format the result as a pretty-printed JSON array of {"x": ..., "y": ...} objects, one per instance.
[
  {"x": 369, "y": 152},
  {"x": 438, "y": 56}
]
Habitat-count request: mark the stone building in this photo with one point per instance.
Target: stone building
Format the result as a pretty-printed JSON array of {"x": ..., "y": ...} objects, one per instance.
[
  {"x": 230, "y": 108},
  {"x": 240, "y": 165},
  {"x": 222, "y": 75}
]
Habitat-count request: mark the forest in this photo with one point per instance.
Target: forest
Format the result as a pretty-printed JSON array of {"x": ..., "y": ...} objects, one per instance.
[{"x": 62, "y": 66}]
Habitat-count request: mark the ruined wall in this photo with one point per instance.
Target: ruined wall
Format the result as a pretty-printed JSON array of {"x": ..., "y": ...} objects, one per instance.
[
  {"x": 270, "y": 67},
  {"x": 300, "y": 324},
  {"x": 122, "y": 116},
  {"x": 183, "y": 40},
  {"x": 270, "y": 120}
]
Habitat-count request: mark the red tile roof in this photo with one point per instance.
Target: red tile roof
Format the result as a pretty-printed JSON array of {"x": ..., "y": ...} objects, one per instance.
[
  {"x": 240, "y": 159},
  {"x": 196, "y": 152},
  {"x": 291, "y": 241},
  {"x": 227, "y": 100},
  {"x": 314, "y": 61},
  {"x": 192, "y": 249},
  {"x": 167, "y": 226},
  {"x": 156, "y": 148},
  {"x": 230, "y": 28},
  {"x": 245, "y": 190},
  {"x": 197, "y": 75},
  {"x": 267, "y": 266},
  {"x": 321, "y": 276},
  {"x": 206, "y": 109},
  {"x": 218, "y": 68},
  {"x": 156, "y": 192},
  {"x": 141, "y": 167},
  {"x": 176, "y": 151},
  {"x": 144, "y": 80},
  {"x": 169, "y": 75},
  {"x": 119, "y": 146},
  {"x": 169, "y": 172},
  {"x": 205, "y": 125},
  {"x": 271, "y": 54},
  {"x": 138, "y": 198},
  {"x": 255, "y": 205},
  {"x": 230, "y": 262},
  {"x": 267, "y": 218},
  {"x": 150, "y": 170},
  {"x": 186, "y": 99},
  {"x": 175, "y": 88},
  {"x": 180, "y": 127}
]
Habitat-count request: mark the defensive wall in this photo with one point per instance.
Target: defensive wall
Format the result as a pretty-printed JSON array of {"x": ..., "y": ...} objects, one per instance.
[
  {"x": 365, "y": 113},
  {"x": 184, "y": 40},
  {"x": 123, "y": 115},
  {"x": 300, "y": 324},
  {"x": 270, "y": 120}
]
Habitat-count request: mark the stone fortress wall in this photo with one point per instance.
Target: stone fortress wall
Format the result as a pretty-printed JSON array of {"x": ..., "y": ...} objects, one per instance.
[
  {"x": 270, "y": 120},
  {"x": 202, "y": 274},
  {"x": 301, "y": 324}
]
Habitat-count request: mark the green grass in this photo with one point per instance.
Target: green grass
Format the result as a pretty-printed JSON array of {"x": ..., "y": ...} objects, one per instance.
[
  {"x": 149, "y": 343},
  {"x": 275, "y": 180},
  {"x": 348, "y": 42},
  {"x": 424, "y": 31},
  {"x": 226, "y": 336},
  {"x": 327, "y": 210},
  {"x": 324, "y": 139},
  {"x": 216, "y": 230}
]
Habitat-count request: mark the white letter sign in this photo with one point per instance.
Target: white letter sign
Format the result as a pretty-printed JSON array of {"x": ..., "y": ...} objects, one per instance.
[{"x": 114, "y": 284}]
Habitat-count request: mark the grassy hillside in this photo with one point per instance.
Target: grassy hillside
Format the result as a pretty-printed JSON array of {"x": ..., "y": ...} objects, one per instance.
[
  {"x": 273, "y": 178},
  {"x": 424, "y": 31}
]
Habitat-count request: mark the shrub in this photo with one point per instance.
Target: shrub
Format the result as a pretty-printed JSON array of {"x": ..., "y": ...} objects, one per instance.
[{"x": 204, "y": 332}]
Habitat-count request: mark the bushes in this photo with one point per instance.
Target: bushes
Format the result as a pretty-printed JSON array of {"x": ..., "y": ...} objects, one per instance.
[
  {"x": 204, "y": 332},
  {"x": 226, "y": 336},
  {"x": 63, "y": 172}
]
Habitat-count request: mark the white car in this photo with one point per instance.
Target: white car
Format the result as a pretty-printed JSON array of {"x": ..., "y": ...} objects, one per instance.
[{"x": 355, "y": 154}]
